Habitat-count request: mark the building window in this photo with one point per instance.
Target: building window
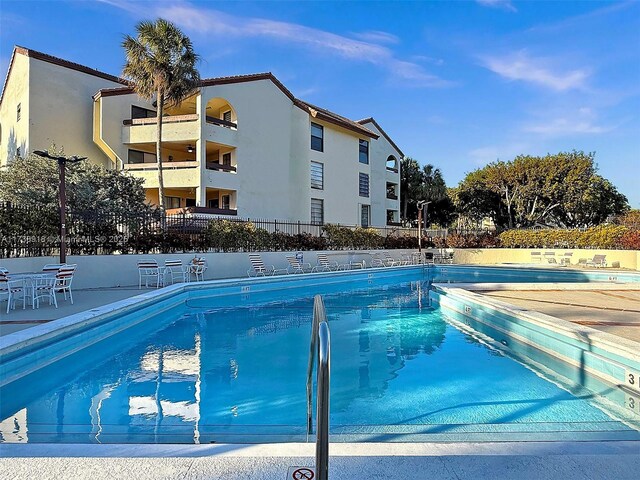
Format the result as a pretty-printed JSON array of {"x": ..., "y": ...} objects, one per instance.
[
  {"x": 363, "y": 188},
  {"x": 140, "y": 112},
  {"x": 365, "y": 214},
  {"x": 138, "y": 156},
  {"x": 226, "y": 116},
  {"x": 317, "y": 211},
  {"x": 171, "y": 202},
  {"x": 317, "y": 137},
  {"x": 19, "y": 112},
  {"x": 214, "y": 203},
  {"x": 317, "y": 175},
  {"x": 391, "y": 217},
  {"x": 18, "y": 152},
  {"x": 226, "y": 202},
  {"x": 189, "y": 202},
  {"x": 364, "y": 151},
  {"x": 226, "y": 159}
]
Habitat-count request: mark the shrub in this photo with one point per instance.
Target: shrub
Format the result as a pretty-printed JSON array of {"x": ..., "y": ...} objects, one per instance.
[
  {"x": 630, "y": 240},
  {"x": 603, "y": 236}
]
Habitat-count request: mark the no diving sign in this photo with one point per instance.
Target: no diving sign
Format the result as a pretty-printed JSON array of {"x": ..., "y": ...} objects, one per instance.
[{"x": 300, "y": 473}]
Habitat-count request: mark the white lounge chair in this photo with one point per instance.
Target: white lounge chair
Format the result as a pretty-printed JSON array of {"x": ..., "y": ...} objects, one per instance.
[
  {"x": 64, "y": 278},
  {"x": 295, "y": 266},
  {"x": 566, "y": 258},
  {"x": 536, "y": 257},
  {"x": 324, "y": 265},
  {"x": 149, "y": 270},
  {"x": 598, "y": 261},
  {"x": 550, "y": 257},
  {"x": 258, "y": 268},
  {"x": 377, "y": 260}
]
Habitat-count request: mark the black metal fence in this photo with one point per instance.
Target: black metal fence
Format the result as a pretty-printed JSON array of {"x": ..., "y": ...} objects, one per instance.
[{"x": 28, "y": 232}]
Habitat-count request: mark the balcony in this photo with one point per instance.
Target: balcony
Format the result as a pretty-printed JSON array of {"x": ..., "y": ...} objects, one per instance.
[
  {"x": 175, "y": 174},
  {"x": 220, "y": 131},
  {"x": 222, "y": 123},
  {"x": 392, "y": 196},
  {"x": 392, "y": 169},
  {"x": 220, "y": 167},
  {"x": 202, "y": 211},
  {"x": 175, "y": 128}
]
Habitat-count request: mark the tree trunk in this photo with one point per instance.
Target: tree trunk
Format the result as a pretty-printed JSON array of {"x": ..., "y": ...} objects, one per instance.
[{"x": 160, "y": 101}]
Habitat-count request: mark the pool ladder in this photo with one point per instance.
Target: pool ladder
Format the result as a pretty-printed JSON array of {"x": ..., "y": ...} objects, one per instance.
[{"x": 319, "y": 346}]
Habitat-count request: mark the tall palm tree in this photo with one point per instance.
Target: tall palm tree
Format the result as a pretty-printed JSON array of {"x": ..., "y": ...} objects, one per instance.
[{"x": 161, "y": 63}]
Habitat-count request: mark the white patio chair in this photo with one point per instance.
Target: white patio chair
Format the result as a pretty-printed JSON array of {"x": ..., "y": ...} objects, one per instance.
[
  {"x": 11, "y": 289},
  {"x": 259, "y": 269},
  {"x": 176, "y": 271},
  {"x": 550, "y": 257},
  {"x": 52, "y": 267},
  {"x": 377, "y": 260},
  {"x": 391, "y": 261},
  {"x": 295, "y": 266},
  {"x": 44, "y": 287},
  {"x": 566, "y": 258},
  {"x": 149, "y": 270},
  {"x": 64, "y": 278},
  {"x": 324, "y": 265},
  {"x": 197, "y": 268}
]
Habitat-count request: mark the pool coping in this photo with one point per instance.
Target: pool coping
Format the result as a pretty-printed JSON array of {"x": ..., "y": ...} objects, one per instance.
[
  {"x": 608, "y": 341},
  {"x": 337, "y": 449}
]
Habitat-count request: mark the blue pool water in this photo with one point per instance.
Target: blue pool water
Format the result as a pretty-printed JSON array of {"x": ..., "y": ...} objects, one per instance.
[{"x": 236, "y": 373}]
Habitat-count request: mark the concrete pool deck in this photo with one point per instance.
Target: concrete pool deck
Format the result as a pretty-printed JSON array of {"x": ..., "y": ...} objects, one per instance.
[
  {"x": 459, "y": 461},
  {"x": 612, "y": 308}
]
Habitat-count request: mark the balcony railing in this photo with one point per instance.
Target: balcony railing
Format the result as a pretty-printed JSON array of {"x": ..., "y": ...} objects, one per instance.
[
  {"x": 392, "y": 196},
  {"x": 167, "y": 119},
  {"x": 392, "y": 169},
  {"x": 393, "y": 224},
  {"x": 202, "y": 210},
  {"x": 222, "y": 123},
  {"x": 220, "y": 166},
  {"x": 165, "y": 165}
]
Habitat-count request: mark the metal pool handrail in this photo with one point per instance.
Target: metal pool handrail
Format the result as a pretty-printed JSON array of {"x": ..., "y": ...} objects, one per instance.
[{"x": 320, "y": 343}]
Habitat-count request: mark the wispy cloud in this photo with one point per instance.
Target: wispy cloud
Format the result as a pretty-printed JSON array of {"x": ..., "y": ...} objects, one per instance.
[
  {"x": 490, "y": 153},
  {"x": 214, "y": 23},
  {"x": 521, "y": 66},
  {"x": 377, "y": 36},
  {"x": 583, "y": 121},
  {"x": 501, "y": 4}
]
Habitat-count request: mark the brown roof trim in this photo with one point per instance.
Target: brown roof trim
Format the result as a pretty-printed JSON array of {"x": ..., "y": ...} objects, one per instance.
[
  {"x": 384, "y": 134},
  {"x": 312, "y": 110},
  {"x": 27, "y": 52}
]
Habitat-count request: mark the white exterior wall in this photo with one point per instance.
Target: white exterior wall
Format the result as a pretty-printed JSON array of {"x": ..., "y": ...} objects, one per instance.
[
  {"x": 15, "y": 134},
  {"x": 379, "y": 151}
]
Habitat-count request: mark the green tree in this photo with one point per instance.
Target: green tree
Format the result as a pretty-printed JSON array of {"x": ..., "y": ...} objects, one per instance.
[
  {"x": 33, "y": 181},
  {"x": 161, "y": 64},
  {"x": 426, "y": 184},
  {"x": 561, "y": 190}
]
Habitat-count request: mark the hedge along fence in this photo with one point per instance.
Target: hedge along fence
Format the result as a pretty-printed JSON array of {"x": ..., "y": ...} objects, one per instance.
[{"x": 604, "y": 237}]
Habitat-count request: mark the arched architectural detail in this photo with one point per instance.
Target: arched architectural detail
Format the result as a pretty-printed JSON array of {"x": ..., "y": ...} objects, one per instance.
[
  {"x": 392, "y": 163},
  {"x": 220, "y": 109}
]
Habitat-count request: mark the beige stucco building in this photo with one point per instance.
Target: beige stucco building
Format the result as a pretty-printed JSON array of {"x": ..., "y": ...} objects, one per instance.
[{"x": 241, "y": 146}]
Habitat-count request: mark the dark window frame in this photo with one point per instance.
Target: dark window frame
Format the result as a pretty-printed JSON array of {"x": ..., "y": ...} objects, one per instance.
[
  {"x": 320, "y": 139},
  {"x": 364, "y": 185},
  {"x": 363, "y": 208},
  {"x": 317, "y": 186},
  {"x": 314, "y": 220},
  {"x": 226, "y": 159},
  {"x": 363, "y": 149},
  {"x": 224, "y": 116},
  {"x": 130, "y": 150},
  {"x": 142, "y": 112},
  {"x": 169, "y": 197}
]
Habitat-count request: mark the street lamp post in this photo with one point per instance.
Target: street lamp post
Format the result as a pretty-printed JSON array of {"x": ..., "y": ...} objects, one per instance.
[
  {"x": 62, "y": 166},
  {"x": 421, "y": 204}
]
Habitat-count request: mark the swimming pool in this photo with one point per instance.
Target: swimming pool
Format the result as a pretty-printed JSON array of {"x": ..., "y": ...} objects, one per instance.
[{"x": 226, "y": 362}]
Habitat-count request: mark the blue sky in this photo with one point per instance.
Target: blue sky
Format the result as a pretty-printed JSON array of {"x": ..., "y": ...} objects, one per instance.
[{"x": 456, "y": 84}]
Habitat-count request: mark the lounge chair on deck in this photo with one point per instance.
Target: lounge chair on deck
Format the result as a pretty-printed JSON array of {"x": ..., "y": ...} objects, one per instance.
[
  {"x": 550, "y": 257},
  {"x": 324, "y": 265},
  {"x": 566, "y": 258},
  {"x": 295, "y": 266},
  {"x": 64, "y": 278},
  {"x": 258, "y": 268},
  {"x": 536, "y": 257},
  {"x": 598, "y": 261}
]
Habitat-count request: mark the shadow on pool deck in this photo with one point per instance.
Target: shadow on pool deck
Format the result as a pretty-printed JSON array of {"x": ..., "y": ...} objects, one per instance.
[{"x": 20, "y": 319}]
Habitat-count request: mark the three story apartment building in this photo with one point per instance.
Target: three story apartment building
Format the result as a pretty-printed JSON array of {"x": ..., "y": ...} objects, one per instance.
[{"x": 241, "y": 145}]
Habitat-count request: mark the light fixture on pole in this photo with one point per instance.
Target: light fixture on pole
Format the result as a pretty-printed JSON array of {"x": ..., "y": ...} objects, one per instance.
[
  {"x": 421, "y": 204},
  {"x": 190, "y": 148},
  {"x": 62, "y": 166}
]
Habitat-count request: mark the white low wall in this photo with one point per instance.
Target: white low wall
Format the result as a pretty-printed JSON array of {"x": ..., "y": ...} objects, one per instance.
[
  {"x": 490, "y": 256},
  {"x": 99, "y": 271}
]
